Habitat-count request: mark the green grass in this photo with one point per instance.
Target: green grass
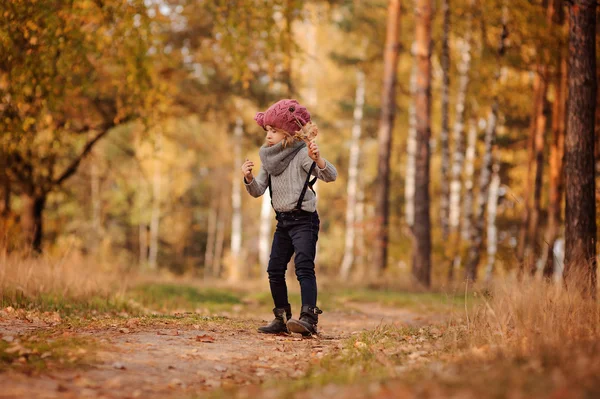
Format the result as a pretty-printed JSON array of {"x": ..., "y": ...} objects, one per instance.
[
  {"x": 168, "y": 297},
  {"x": 66, "y": 305},
  {"x": 430, "y": 301}
]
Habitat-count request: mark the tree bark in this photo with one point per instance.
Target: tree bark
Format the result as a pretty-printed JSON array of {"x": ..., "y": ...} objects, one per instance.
[
  {"x": 470, "y": 155},
  {"x": 236, "y": 272},
  {"x": 32, "y": 219},
  {"x": 220, "y": 237},
  {"x": 458, "y": 132},
  {"x": 557, "y": 149},
  {"x": 264, "y": 230},
  {"x": 492, "y": 231},
  {"x": 411, "y": 149},
  {"x": 421, "y": 268},
  {"x": 386, "y": 126},
  {"x": 353, "y": 176},
  {"x": 539, "y": 94},
  {"x": 445, "y": 61},
  {"x": 580, "y": 209},
  {"x": 155, "y": 212},
  {"x": 476, "y": 236},
  {"x": 211, "y": 236}
]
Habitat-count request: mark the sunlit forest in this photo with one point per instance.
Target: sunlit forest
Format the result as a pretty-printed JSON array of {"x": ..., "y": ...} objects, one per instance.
[{"x": 456, "y": 253}]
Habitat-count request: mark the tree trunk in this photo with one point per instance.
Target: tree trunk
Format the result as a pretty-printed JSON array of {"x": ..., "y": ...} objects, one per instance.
[
  {"x": 210, "y": 239},
  {"x": 467, "y": 213},
  {"x": 476, "y": 235},
  {"x": 96, "y": 206},
  {"x": 492, "y": 231},
  {"x": 539, "y": 94},
  {"x": 458, "y": 132},
  {"x": 539, "y": 168},
  {"x": 421, "y": 268},
  {"x": 155, "y": 213},
  {"x": 353, "y": 176},
  {"x": 220, "y": 237},
  {"x": 264, "y": 234},
  {"x": 458, "y": 154},
  {"x": 445, "y": 61},
  {"x": 411, "y": 149},
  {"x": 386, "y": 127},
  {"x": 557, "y": 150},
  {"x": 236, "y": 272},
  {"x": 580, "y": 209},
  {"x": 360, "y": 261},
  {"x": 470, "y": 155},
  {"x": 32, "y": 220}
]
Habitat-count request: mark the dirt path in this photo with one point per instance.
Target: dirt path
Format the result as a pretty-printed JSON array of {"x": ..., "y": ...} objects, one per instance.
[{"x": 179, "y": 360}]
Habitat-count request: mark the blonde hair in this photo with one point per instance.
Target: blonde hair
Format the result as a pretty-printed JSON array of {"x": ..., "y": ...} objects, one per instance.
[
  {"x": 288, "y": 138},
  {"x": 309, "y": 131}
]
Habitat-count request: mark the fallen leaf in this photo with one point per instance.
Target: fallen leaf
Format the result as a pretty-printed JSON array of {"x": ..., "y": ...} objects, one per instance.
[
  {"x": 205, "y": 338},
  {"x": 176, "y": 383},
  {"x": 119, "y": 365},
  {"x": 360, "y": 345}
]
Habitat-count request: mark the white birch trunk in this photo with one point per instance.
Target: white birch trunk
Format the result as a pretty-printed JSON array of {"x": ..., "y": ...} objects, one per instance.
[
  {"x": 411, "y": 149},
  {"x": 265, "y": 230},
  {"x": 492, "y": 232},
  {"x": 360, "y": 228},
  {"x": 155, "y": 214},
  {"x": 469, "y": 176},
  {"x": 353, "y": 176},
  {"x": 458, "y": 132},
  {"x": 444, "y": 132},
  {"x": 236, "y": 272}
]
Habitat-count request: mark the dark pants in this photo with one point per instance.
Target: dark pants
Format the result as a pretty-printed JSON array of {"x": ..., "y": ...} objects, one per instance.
[{"x": 297, "y": 233}]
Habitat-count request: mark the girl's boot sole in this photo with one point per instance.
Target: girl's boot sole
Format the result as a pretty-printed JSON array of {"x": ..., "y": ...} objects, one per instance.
[{"x": 298, "y": 328}]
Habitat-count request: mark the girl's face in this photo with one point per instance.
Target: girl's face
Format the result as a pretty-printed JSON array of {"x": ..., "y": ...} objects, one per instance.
[{"x": 274, "y": 136}]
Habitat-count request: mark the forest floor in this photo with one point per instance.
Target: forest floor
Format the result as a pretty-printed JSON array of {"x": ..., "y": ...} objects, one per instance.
[{"x": 188, "y": 341}]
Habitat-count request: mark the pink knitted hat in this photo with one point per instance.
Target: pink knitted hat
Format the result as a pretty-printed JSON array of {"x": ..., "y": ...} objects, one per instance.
[{"x": 285, "y": 115}]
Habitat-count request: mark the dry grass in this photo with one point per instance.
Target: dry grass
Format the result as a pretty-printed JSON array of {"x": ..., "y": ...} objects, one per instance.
[
  {"x": 531, "y": 338},
  {"x": 55, "y": 283}
]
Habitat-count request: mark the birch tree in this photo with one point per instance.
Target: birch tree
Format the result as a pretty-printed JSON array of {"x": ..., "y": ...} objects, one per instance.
[{"x": 352, "y": 188}]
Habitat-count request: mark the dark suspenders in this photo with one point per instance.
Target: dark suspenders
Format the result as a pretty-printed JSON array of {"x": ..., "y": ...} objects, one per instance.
[{"x": 307, "y": 184}]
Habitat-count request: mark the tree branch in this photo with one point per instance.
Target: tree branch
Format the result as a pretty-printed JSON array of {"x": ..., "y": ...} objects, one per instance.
[{"x": 72, "y": 168}]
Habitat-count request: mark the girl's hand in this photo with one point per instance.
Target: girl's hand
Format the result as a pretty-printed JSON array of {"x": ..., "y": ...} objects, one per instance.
[
  {"x": 313, "y": 151},
  {"x": 247, "y": 170}
]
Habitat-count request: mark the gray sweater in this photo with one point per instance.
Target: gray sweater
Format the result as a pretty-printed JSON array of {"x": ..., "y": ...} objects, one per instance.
[{"x": 287, "y": 185}]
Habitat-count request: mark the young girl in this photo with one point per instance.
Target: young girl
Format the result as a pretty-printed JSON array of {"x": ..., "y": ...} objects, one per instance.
[{"x": 287, "y": 164}]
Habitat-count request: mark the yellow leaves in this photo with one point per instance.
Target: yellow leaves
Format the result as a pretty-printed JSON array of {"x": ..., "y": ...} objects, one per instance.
[{"x": 28, "y": 123}]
